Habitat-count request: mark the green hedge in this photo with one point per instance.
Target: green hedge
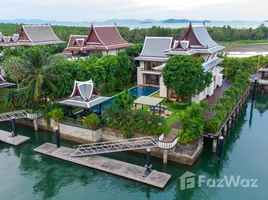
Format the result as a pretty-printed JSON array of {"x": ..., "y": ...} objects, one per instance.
[{"x": 226, "y": 104}]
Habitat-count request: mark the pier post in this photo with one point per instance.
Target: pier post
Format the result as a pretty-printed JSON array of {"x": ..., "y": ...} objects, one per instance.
[
  {"x": 220, "y": 148},
  {"x": 148, "y": 165},
  {"x": 14, "y": 128},
  {"x": 225, "y": 130},
  {"x": 35, "y": 125},
  {"x": 57, "y": 137},
  {"x": 230, "y": 122},
  {"x": 234, "y": 116},
  {"x": 214, "y": 146},
  {"x": 165, "y": 156},
  {"x": 148, "y": 159},
  {"x": 254, "y": 89}
]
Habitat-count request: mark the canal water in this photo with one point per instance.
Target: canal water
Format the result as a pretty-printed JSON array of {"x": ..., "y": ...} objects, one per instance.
[{"x": 25, "y": 175}]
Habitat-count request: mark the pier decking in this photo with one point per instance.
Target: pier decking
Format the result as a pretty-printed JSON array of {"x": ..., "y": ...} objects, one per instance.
[
  {"x": 119, "y": 168},
  {"x": 15, "y": 141}
]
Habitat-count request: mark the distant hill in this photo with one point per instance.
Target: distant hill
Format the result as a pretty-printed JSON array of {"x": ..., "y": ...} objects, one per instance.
[
  {"x": 185, "y": 21},
  {"x": 145, "y": 22},
  {"x": 107, "y": 22}
]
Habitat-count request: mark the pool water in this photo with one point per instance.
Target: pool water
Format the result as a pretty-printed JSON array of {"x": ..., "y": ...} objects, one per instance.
[{"x": 137, "y": 91}]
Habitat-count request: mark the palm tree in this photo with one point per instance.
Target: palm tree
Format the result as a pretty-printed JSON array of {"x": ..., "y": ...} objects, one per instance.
[
  {"x": 125, "y": 100},
  {"x": 39, "y": 77}
]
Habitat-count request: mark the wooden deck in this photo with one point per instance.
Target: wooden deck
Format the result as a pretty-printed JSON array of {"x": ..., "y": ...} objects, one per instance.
[
  {"x": 212, "y": 100},
  {"x": 15, "y": 141},
  {"x": 119, "y": 168}
]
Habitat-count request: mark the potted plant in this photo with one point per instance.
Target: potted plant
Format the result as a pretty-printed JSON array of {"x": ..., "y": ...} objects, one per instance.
[{"x": 91, "y": 121}]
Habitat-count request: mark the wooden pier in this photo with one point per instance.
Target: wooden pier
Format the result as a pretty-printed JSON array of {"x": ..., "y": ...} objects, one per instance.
[
  {"x": 229, "y": 121},
  {"x": 6, "y": 137},
  {"x": 119, "y": 168}
]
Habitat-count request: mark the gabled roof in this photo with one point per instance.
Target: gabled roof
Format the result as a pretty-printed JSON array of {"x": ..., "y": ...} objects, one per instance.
[
  {"x": 4, "y": 83},
  {"x": 195, "y": 40},
  {"x": 39, "y": 35},
  {"x": 264, "y": 68},
  {"x": 154, "y": 49},
  {"x": 99, "y": 38},
  {"x": 32, "y": 35},
  {"x": 84, "y": 96}
]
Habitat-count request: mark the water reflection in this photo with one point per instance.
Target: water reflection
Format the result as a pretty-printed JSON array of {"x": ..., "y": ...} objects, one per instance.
[{"x": 48, "y": 178}]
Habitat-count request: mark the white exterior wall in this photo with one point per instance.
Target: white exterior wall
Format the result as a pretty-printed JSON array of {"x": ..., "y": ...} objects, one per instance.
[
  {"x": 83, "y": 133},
  {"x": 163, "y": 88},
  {"x": 219, "y": 80},
  {"x": 113, "y": 52},
  {"x": 139, "y": 74}
]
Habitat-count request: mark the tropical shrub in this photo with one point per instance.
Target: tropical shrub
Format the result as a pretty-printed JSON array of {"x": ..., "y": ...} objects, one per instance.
[
  {"x": 124, "y": 100},
  {"x": 57, "y": 114},
  {"x": 226, "y": 104},
  {"x": 192, "y": 121},
  {"x": 91, "y": 121},
  {"x": 128, "y": 121}
]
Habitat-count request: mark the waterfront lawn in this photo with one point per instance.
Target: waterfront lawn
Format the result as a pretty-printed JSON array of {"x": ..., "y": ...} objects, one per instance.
[{"x": 175, "y": 112}]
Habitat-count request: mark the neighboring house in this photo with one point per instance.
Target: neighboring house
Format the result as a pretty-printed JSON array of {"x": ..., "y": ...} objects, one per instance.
[
  {"x": 31, "y": 35},
  {"x": 106, "y": 40},
  {"x": 196, "y": 42}
]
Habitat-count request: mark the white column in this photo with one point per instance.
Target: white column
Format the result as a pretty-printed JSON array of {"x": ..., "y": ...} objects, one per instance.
[
  {"x": 35, "y": 125},
  {"x": 165, "y": 156},
  {"x": 214, "y": 146},
  {"x": 163, "y": 88}
]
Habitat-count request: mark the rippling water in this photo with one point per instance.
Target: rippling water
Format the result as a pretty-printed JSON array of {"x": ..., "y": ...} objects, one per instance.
[{"x": 26, "y": 175}]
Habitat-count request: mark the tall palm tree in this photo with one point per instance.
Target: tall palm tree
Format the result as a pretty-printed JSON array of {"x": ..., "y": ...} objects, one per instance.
[{"x": 39, "y": 77}]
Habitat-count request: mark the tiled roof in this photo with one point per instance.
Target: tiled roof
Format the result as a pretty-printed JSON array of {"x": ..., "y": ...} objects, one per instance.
[
  {"x": 198, "y": 40},
  {"x": 203, "y": 36},
  {"x": 99, "y": 38},
  {"x": 154, "y": 47},
  {"x": 83, "y": 96},
  {"x": 35, "y": 35},
  {"x": 40, "y": 33}
]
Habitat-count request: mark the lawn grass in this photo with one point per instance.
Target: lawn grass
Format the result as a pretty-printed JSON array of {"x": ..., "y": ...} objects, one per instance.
[
  {"x": 111, "y": 94},
  {"x": 244, "y": 42},
  {"x": 175, "y": 112}
]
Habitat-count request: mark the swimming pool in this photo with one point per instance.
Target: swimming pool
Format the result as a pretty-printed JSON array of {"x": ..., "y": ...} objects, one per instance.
[{"x": 138, "y": 91}]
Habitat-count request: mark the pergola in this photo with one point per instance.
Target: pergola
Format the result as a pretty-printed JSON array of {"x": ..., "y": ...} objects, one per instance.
[
  {"x": 84, "y": 96},
  {"x": 149, "y": 101}
]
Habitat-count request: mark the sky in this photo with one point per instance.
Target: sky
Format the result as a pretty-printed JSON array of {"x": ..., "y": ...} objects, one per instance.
[{"x": 102, "y": 10}]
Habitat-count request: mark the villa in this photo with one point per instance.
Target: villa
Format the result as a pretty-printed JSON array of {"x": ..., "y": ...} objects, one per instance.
[
  {"x": 196, "y": 42},
  {"x": 31, "y": 35},
  {"x": 106, "y": 40}
]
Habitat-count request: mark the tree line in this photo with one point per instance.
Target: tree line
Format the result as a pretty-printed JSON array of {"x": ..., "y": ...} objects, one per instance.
[
  {"x": 42, "y": 76},
  {"x": 137, "y": 35}
]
